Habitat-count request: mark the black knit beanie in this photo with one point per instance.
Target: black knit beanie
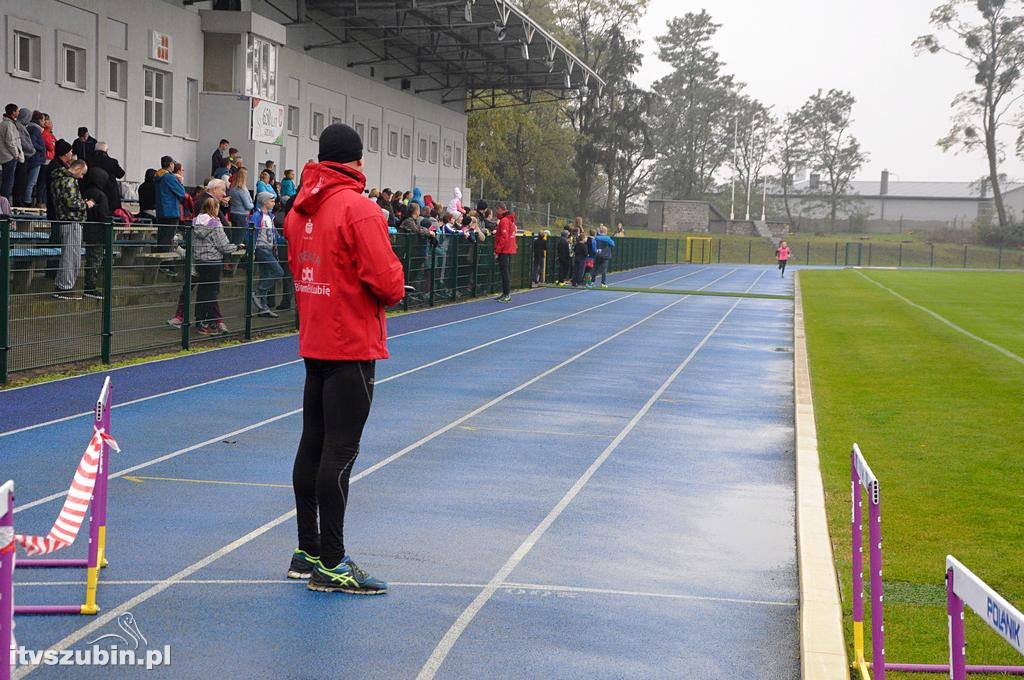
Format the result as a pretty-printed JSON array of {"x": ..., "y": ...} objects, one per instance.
[{"x": 340, "y": 144}]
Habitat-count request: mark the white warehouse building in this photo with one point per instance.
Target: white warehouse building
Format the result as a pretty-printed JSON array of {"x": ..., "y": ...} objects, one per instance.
[{"x": 166, "y": 77}]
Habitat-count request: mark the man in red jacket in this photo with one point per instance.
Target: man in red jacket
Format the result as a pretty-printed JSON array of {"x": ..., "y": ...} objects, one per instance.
[
  {"x": 505, "y": 248},
  {"x": 346, "y": 274}
]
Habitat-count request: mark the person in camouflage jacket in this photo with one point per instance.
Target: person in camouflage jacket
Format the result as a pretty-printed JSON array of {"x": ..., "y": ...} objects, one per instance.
[
  {"x": 71, "y": 208},
  {"x": 70, "y": 204}
]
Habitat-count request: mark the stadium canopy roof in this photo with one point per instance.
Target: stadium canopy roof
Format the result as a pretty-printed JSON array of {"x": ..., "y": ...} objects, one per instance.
[{"x": 484, "y": 53}]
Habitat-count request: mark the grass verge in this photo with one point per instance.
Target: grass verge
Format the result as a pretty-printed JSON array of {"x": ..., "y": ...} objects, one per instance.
[{"x": 938, "y": 415}]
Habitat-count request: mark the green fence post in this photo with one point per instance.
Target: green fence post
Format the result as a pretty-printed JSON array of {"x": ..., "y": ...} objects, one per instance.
[
  {"x": 250, "y": 259},
  {"x": 999, "y": 262},
  {"x": 407, "y": 265},
  {"x": 430, "y": 274},
  {"x": 453, "y": 246},
  {"x": 899, "y": 254},
  {"x": 476, "y": 267},
  {"x": 186, "y": 291},
  {"x": 490, "y": 271},
  {"x": 719, "y": 251},
  {"x": 835, "y": 255},
  {"x": 965, "y": 257},
  {"x": 108, "y": 291},
  {"x": 869, "y": 254},
  {"x": 860, "y": 252},
  {"x": 5, "y": 294},
  {"x": 702, "y": 253},
  {"x": 932, "y": 263},
  {"x": 749, "y": 246},
  {"x": 807, "y": 258}
]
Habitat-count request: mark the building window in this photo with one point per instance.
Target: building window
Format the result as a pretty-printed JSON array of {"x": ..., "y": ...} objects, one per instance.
[
  {"x": 458, "y": 156},
  {"x": 374, "y": 142},
  {"x": 360, "y": 129},
  {"x": 260, "y": 68},
  {"x": 448, "y": 155},
  {"x": 117, "y": 79},
  {"x": 192, "y": 102},
  {"x": 293, "y": 120},
  {"x": 27, "y": 56},
  {"x": 421, "y": 151},
  {"x": 156, "y": 113},
  {"x": 72, "y": 67},
  {"x": 433, "y": 152},
  {"x": 393, "y": 142},
  {"x": 406, "y": 145},
  {"x": 316, "y": 124}
]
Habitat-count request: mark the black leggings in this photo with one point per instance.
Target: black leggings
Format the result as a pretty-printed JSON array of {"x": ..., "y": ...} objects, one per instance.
[
  {"x": 504, "y": 259},
  {"x": 335, "y": 403},
  {"x": 782, "y": 266}
]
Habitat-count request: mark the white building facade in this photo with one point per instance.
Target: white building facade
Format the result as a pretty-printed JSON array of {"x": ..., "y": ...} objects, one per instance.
[{"x": 155, "y": 77}]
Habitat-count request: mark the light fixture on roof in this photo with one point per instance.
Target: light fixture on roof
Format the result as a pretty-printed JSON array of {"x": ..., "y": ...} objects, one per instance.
[
  {"x": 552, "y": 51},
  {"x": 568, "y": 80},
  {"x": 500, "y": 29},
  {"x": 469, "y": 11},
  {"x": 525, "y": 49}
]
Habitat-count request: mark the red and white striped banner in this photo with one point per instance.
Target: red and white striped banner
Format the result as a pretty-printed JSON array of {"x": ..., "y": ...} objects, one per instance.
[{"x": 76, "y": 505}]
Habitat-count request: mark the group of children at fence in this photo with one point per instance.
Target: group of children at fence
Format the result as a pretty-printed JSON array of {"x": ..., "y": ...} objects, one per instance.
[{"x": 582, "y": 256}]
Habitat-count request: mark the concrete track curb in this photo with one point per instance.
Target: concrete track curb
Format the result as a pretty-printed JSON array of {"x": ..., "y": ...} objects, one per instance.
[{"x": 822, "y": 647}]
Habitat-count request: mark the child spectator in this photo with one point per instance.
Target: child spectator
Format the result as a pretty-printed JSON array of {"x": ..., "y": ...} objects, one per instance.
[
  {"x": 209, "y": 246},
  {"x": 580, "y": 253},
  {"x": 265, "y": 254}
]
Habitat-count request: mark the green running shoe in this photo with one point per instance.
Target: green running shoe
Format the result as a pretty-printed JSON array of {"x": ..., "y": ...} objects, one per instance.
[
  {"x": 302, "y": 564},
  {"x": 347, "y": 577}
]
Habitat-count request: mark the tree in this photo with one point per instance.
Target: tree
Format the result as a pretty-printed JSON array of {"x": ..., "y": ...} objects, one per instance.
[
  {"x": 993, "y": 49},
  {"x": 755, "y": 128},
  {"x": 632, "y": 167},
  {"x": 586, "y": 27},
  {"x": 833, "y": 150},
  {"x": 790, "y": 154},
  {"x": 693, "y": 112}
]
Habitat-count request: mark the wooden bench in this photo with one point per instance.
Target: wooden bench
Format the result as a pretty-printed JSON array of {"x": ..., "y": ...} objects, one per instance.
[
  {"x": 154, "y": 261},
  {"x": 25, "y": 262}
]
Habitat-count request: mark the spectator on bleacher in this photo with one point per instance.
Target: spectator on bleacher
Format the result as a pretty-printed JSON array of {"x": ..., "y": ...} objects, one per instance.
[
  {"x": 384, "y": 200},
  {"x": 28, "y": 150},
  {"x": 287, "y": 282},
  {"x": 505, "y": 248},
  {"x": 38, "y": 160},
  {"x": 10, "y": 150},
  {"x": 147, "y": 195},
  {"x": 94, "y": 230},
  {"x": 265, "y": 253},
  {"x": 417, "y": 198},
  {"x": 71, "y": 208},
  {"x": 240, "y": 207},
  {"x": 224, "y": 171},
  {"x": 220, "y": 154},
  {"x": 51, "y": 151},
  {"x": 84, "y": 145},
  {"x": 455, "y": 205},
  {"x": 265, "y": 186},
  {"x": 271, "y": 170},
  {"x": 209, "y": 246},
  {"x": 61, "y": 159},
  {"x": 620, "y": 231},
  {"x": 428, "y": 202},
  {"x": 411, "y": 225},
  {"x": 288, "y": 188},
  {"x": 170, "y": 194},
  {"x": 101, "y": 159}
]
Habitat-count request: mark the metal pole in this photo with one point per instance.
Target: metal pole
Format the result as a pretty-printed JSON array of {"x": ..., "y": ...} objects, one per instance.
[
  {"x": 999, "y": 262},
  {"x": 869, "y": 253},
  {"x": 108, "y": 290},
  {"x": 433, "y": 258},
  {"x": 186, "y": 291},
  {"x": 857, "y": 554},
  {"x": 749, "y": 246},
  {"x": 899, "y": 254},
  {"x": 5, "y": 306},
  {"x": 955, "y": 616},
  {"x": 965, "y": 257},
  {"x": 735, "y": 143},
  {"x": 476, "y": 267},
  {"x": 406, "y": 264},
  {"x": 750, "y": 170},
  {"x": 932, "y": 264},
  {"x": 250, "y": 258},
  {"x": 719, "y": 251},
  {"x": 875, "y": 564},
  {"x": 764, "y": 199},
  {"x": 807, "y": 258},
  {"x": 835, "y": 255}
]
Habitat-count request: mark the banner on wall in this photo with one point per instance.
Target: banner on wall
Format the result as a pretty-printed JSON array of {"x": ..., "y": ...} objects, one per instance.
[{"x": 268, "y": 122}]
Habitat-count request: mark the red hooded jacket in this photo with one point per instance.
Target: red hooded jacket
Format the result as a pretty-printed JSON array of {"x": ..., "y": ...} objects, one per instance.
[
  {"x": 344, "y": 268},
  {"x": 505, "y": 234}
]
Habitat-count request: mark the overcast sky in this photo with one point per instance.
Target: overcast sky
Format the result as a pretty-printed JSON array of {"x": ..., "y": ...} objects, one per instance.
[{"x": 784, "y": 50}]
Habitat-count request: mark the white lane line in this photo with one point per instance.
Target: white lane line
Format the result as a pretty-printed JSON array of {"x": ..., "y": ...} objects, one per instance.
[
  {"x": 425, "y": 584},
  {"x": 441, "y": 651},
  {"x": 259, "y": 370},
  {"x": 988, "y": 343},
  {"x": 112, "y": 613},
  {"x": 247, "y": 428},
  {"x": 168, "y": 393}
]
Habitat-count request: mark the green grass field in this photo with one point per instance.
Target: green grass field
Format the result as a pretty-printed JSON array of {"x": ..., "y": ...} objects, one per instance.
[
  {"x": 939, "y": 417},
  {"x": 876, "y": 250}
]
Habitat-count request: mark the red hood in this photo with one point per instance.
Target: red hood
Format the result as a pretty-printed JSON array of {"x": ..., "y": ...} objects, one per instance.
[
  {"x": 320, "y": 180},
  {"x": 507, "y": 213}
]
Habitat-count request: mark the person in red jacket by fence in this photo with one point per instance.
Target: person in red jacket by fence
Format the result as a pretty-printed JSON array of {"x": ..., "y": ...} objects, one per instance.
[
  {"x": 346, "y": 274},
  {"x": 505, "y": 248}
]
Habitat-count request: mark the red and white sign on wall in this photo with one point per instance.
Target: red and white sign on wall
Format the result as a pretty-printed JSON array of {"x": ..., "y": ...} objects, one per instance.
[{"x": 160, "y": 46}]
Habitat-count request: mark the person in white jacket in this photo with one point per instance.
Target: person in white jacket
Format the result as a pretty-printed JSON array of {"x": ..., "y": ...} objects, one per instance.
[
  {"x": 10, "y": 149},
  {"x": 455, "y": 205}
]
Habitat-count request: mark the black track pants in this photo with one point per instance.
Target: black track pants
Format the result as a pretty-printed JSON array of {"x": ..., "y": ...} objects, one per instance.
[{"x": 335, "y": 403}]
